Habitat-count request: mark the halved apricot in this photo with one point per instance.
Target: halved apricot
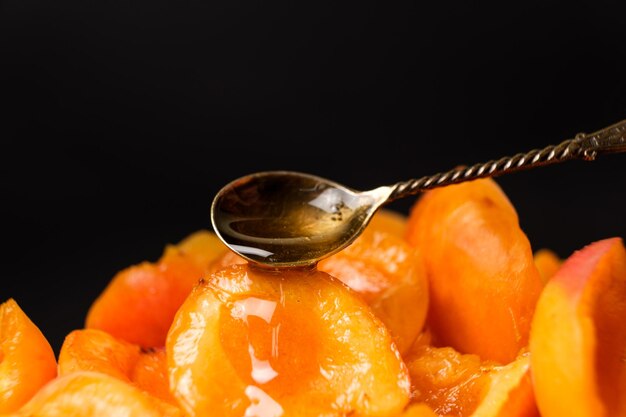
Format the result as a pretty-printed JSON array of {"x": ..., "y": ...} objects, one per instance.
[
  {"x": 482, "y": 278},
  {"x": 390, "y": 276},
  {"x": 27, "y": 361},
  {"x": 94, "y": 394},
  {"x": 547, "y": 263},
  {"x": 97, "y": 351},
  {"x": 139, "y": 303},
  {"x": 578, "y": 338},
  {"x": 256, "y": 342},
  {"x": 463, "y": 385}
]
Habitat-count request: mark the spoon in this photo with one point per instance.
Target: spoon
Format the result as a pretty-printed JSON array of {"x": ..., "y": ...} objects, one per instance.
[{"x": 290, "y": 219}]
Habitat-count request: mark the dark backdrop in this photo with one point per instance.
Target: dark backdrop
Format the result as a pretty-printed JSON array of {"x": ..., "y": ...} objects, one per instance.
[{"x": 125, "y": 117}]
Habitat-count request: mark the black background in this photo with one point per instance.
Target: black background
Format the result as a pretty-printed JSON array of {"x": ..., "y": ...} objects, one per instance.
[{"x": 124, "y": 118}]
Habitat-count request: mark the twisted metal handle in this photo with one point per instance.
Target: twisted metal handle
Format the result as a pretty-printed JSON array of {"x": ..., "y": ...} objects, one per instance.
[{"x": 611, "y": 139}]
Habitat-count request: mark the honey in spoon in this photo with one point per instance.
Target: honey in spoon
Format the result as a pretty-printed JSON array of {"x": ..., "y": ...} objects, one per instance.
[
  {"x": 289, "y": 219},
  {"x": 284, "y": 218}
]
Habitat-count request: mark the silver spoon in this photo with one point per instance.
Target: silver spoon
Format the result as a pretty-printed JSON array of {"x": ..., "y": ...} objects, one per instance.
[{"x": 287, "y": 219}]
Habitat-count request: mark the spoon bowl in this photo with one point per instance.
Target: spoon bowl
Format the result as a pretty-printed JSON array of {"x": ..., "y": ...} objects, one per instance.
[
  {"x": 287, "y": 218},
  {"x": 290, "y": 219}
]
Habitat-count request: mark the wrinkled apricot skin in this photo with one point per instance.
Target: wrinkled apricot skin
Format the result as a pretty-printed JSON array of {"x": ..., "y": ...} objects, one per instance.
[
  {"x": 578, "y": 335},
  {"x": 98, "y": 351},
  {"x": 139, "y": 303},
  {"x": 482, "y": 278},
  {"x": 460, "y": 385},
  {"x": 295, "y": 343},
  {"x": 93, "y": 394},
  {"x": 449, "y": 382},
  {"x": 390, "y": 276},
  {"x": 27, "y": 361}
]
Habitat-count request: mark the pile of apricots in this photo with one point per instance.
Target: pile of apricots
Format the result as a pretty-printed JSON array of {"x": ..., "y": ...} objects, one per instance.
[{"x": 446, "y": 312}]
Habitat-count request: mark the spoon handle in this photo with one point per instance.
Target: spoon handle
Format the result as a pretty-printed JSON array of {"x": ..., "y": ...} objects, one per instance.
[{"x": 611, "y": 139}]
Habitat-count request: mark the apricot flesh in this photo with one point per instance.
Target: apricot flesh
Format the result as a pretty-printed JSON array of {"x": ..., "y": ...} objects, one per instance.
[
  {"x": 390, "y": 276},
  {"x": 93, "y": 394},
  {"x": 482, "y": 278},
  {"x": 27, "y": 361},
  {"x": 98, "y": 351},
  {"x": 297, "y": 343},
  {"x": 139, "y": 303},
  {"x": 463, "y": 385},
  {"x": 578, "y": 338}
]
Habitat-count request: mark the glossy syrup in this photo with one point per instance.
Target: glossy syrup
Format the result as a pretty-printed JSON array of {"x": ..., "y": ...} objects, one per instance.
[
  {"x": 271, "y": 342},
  {"x": 287, "y": 220}
]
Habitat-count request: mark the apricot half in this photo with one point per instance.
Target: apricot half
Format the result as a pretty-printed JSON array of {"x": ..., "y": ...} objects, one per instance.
[
  {"x": 139, "y": 303},
  {"x": 390, "y": 276},
  {"x": 578, "y": 338},
  {"x": 462, "y": 385},
  {"x": 295, "y": 343},
  {"x": 482, "y": 278},
  {"x": 93, "y": 394},
  {"x": 27, "y": 361},
  {"x": 98, "y": 351}
]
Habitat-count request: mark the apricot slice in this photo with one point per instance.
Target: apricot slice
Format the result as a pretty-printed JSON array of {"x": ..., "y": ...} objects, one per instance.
[
  {"x": 482, "y": 278},
  {"x": 271, "y": 343},
  {"x": 139, "y": 303},
  {"x": 462, "y": 385},
  {"x": 578, "y": 338},
  {"x": 27, "y": 361},
  {"x": 547, "y": 263},
  {"x": 93, "y": 394},
  {"x": 390, "y": 276},
  {"x": 98, "y": 351}
]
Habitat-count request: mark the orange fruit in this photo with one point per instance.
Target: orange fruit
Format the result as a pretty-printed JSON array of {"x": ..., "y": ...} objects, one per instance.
[
  {"x": 249, "y": 341},
  {"x": 139, "y": 303},
  {"x": 578, "y": 338},
  {"x": 27, "y": 361},
  {"x": 94, "y": 394},
  {"x": 482, "y": 278},
  {"x": 462, "y": 385},
  {"x": 390, "y": 276},
  {"x": 97, "y": 351}
]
